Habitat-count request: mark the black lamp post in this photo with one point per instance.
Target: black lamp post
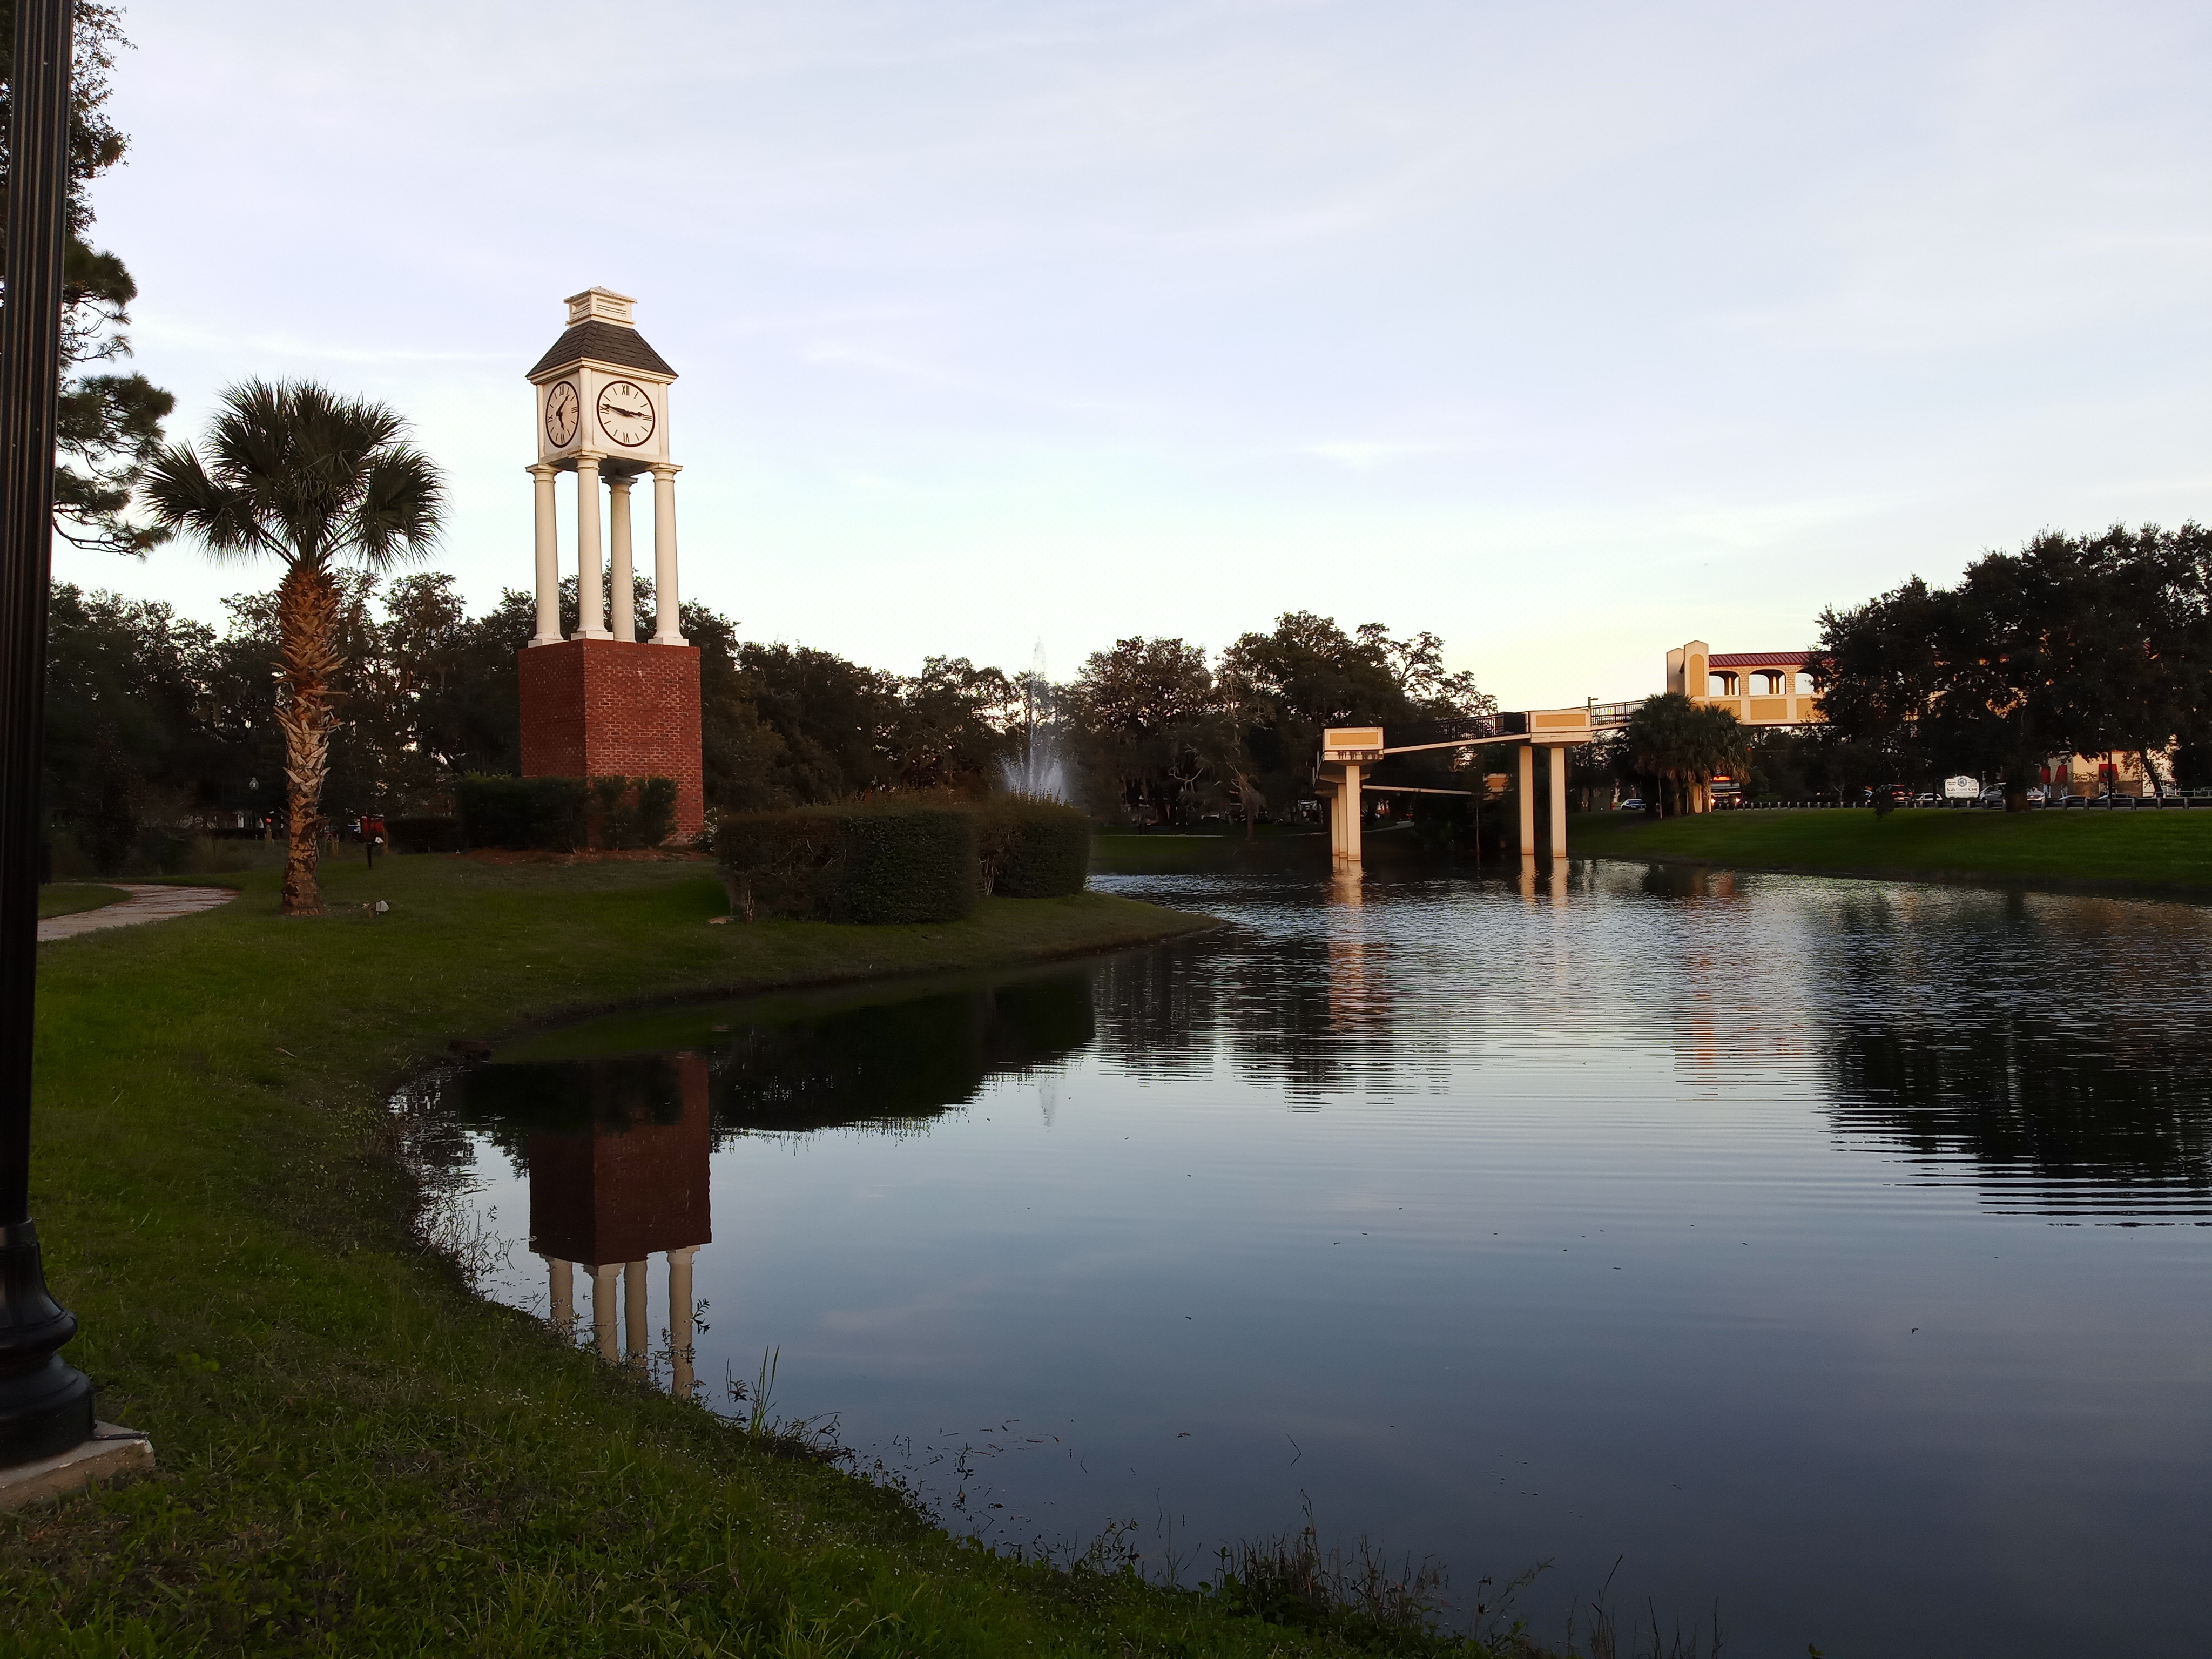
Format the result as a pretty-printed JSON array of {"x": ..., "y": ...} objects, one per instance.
[{"x": 46, "y": 1406}]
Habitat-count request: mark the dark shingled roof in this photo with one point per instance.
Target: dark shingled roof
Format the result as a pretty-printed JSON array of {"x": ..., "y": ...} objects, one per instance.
[{"x": 605, "y": 343}]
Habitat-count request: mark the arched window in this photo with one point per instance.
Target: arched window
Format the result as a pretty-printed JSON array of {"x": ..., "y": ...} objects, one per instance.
[
  {"x": 1723, "y": 684},
  {"x": 1770, "y": 683},
  {"x": 1804, "y": 682}
]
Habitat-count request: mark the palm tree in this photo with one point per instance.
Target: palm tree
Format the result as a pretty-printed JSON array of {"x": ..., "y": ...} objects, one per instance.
[
  {"x": 1683, "y": 744},
  {"x": 294, "y": 469}
]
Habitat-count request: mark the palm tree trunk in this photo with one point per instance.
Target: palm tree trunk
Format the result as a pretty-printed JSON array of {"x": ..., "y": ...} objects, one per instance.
[{"x": 307, "y": 658}]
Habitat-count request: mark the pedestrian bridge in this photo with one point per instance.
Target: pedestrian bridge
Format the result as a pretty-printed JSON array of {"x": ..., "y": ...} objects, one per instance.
[
  {"x": 1759, "y": 687},
  {"x": 1350, "y": 753}
]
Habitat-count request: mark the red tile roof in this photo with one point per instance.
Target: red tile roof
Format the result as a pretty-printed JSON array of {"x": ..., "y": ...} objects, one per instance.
[{"x": 1759, "y": 658}]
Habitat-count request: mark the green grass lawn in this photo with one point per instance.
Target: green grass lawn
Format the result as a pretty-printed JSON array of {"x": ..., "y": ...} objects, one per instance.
[
  {"x": 66, "y": 898},
  {"x": 357, "y": 1456},
  {"x": 2167, "y": 848}
]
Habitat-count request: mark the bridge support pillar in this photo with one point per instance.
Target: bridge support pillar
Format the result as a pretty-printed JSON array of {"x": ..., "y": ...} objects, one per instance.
[
  {"x": 1349, "y": 796},
  {"x": 1555, "y": 767},
  {"x": 1525, "y": 793}
]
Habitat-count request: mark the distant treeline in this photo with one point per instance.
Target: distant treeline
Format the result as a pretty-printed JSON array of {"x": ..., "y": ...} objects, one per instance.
[
  {"x": 155, "y": 720},
  {"x": 2075, "y": 644}
]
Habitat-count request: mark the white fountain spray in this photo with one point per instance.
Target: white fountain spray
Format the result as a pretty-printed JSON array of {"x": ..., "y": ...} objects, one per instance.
[{"x": 1039, "y": 768}]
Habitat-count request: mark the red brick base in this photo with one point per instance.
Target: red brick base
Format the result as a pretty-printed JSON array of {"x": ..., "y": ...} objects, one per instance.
[
  {"x": 597, "y": 708},
  {"x": 626, "y": 1188}
]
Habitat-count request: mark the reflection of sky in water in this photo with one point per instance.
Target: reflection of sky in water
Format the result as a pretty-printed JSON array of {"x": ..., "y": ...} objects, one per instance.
[{"x": 1508, "y": 1229}]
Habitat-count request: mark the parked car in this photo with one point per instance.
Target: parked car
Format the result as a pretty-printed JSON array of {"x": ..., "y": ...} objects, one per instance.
[{"x": 1631, "y": 805}]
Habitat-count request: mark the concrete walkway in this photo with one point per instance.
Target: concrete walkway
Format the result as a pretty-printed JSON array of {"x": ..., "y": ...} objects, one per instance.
[{"x": 149, "y": 901}]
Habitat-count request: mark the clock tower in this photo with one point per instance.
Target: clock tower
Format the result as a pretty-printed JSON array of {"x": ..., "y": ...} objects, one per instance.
[{"x": 603, "y": 702}]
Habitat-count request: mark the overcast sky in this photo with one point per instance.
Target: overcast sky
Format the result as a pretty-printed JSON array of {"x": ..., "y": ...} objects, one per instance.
[{"x": 1567, "y": 332}]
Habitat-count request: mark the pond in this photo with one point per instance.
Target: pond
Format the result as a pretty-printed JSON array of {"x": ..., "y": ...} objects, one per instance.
[{"x": 1832, "y": 1252}]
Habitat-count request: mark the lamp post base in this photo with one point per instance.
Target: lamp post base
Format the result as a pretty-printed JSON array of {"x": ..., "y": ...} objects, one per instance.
[
  {"x": 109, "y": 1453},
  {"x": 45, "y": 1404}
]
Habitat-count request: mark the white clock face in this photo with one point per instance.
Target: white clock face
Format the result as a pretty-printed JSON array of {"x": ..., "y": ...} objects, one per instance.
[
  {"x": 561, "y": 409},
  {"x": 626, "y": 414}
]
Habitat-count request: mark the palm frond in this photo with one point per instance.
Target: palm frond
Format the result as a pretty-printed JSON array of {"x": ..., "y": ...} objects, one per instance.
[
  {"x": 185, "y": 496},
  {"x": 292, "y": 468},
  {"x": 402, "y": 507}
]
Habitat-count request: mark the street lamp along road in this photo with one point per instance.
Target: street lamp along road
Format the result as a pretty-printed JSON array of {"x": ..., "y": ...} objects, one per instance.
[{"x": 45, "y": 1404}]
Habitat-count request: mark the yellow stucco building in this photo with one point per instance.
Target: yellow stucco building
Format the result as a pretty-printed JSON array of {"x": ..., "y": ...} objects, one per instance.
[{"x": 1759, "y": 687}]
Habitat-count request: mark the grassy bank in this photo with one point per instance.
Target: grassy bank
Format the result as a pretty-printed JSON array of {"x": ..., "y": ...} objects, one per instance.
[
  {"x": 359, "y": 1457},
  {"x": 2166, "y": 850},
  {"x": 66, "y": 898}
]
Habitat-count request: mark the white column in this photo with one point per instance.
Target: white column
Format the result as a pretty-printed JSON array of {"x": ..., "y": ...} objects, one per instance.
[
  {"x": 667, "y": 625},
  {"x": 623, "y": 591},
  {"x": 602, "y": 1308},
  {"x": 637, "y": 1315},
  {"x": 590, "y": 574},
  {"x": 561, "y": 1286},
  {"x": 549, "y": 558},
  {"x": 680, "y": 1317}
]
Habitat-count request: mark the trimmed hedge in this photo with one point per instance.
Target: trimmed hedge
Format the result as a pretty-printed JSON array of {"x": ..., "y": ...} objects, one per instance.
[
  {"x": 656, "y": 808},
  {"x": 423, "y": 835},
  {"x": 1032, "y": 848},
  {"x": 562, "y": 815},
  {"x": 632, "y": 812},
  {"x": 851, "y": 864},
  {"x": 900, "y": 862},
  {"x": 544, "y": 814}
]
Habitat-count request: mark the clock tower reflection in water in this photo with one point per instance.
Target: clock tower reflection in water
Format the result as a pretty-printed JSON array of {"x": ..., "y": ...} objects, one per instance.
[
  {"x": 618, "y": 1182},
  {"x": 602, "y": 702}
]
